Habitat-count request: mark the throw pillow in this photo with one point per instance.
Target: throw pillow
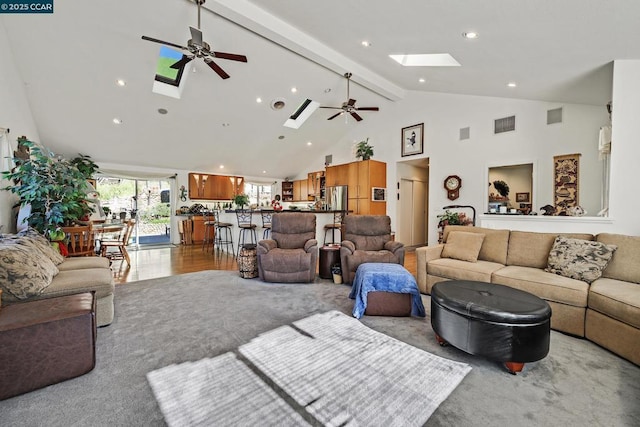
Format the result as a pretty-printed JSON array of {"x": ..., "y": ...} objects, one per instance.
[
  {"x": 33, "y": 237},
  {"x": 579, "y": 259},
  {"x": 24, "y": 271},
  {"x": 463, "y": 245}
]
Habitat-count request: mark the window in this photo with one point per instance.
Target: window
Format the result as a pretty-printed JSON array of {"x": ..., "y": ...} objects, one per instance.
[{"x": 259, "y": 194}]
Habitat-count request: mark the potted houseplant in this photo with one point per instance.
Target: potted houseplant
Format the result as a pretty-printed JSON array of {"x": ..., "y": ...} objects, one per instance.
[
  {"x": 53, "y": 187},
  {"x": 241, "y": 200},
  {"x": 85, "y": 165},
  {"x": 364, "y": 151},
  {"x": 502, "y": 188}
]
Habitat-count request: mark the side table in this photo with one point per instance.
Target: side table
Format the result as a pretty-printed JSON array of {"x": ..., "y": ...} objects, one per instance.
[{"x": 329, "y": 256}]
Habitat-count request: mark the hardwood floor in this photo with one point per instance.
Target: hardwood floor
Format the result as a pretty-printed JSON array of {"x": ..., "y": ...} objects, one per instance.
[{"x": 164, "y": 262}]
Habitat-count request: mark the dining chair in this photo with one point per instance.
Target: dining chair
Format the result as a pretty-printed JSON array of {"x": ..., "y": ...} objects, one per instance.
[
  {"x": 80, "y": 240},
  {"x": 120, "y": 242}
]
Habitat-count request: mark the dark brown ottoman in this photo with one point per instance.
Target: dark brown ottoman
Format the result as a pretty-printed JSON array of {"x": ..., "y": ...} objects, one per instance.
[
  {"x": 45, "y": 342},
  {"x": 495, "y": 321}
]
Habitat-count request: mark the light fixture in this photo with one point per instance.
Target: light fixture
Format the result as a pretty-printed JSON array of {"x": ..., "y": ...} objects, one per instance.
[
  {"x": 264, "y": 171},
  {"x": 121, "y": 82},
  {"x": 421, "y": 80},
  {"x": 294, "y": 89},
  {"x": 426, "y": 60},
  {"x": 221, "y": 166},
  {"x": 512, "y": 84},
  {"x": 470, "y": 35},
  {"x": 117, "y": 121},
  {"x": 309, "y": 143},
  {"x": 258, "y": 100},
  {"x": 365, "y": 43}
]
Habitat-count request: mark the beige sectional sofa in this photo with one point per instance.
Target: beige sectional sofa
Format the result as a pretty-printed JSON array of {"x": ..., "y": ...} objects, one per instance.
[
  {"x": 607, "y": 311},
  {"x": 30, "y": 271}
]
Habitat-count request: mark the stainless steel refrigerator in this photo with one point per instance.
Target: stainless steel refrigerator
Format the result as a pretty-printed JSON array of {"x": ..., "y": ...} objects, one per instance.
[{"x": 337, "y": 198}]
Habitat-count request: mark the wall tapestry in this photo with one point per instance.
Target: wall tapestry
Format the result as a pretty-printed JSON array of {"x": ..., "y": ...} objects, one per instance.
[{"x": 565, "y": 182}]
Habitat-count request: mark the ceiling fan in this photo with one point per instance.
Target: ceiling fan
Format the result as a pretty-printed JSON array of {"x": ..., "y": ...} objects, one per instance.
[
  {"x": 197, "y": 48},
  {"x": 349, "y": 106}
]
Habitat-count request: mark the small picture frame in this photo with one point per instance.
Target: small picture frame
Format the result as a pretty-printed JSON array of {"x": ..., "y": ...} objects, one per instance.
[
  {"x": 522, "y": 197},
  {"x": 413, "y": 140},
  {"x": 378, "y": 194}
]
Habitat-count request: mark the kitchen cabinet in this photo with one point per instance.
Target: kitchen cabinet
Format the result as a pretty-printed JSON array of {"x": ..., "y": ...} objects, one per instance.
[
  {"x": 287, "y": 191},
  {"x": 214, "y": 187},
  {"x": 363, "y": 176},
  {"x": 300, "y": 191},
  {"x": 337, "y": 175},
  {"x": 314, "y": 183}
]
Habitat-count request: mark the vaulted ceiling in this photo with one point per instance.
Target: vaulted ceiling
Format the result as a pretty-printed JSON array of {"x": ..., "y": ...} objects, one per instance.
[{"x": 560, "y": 51}]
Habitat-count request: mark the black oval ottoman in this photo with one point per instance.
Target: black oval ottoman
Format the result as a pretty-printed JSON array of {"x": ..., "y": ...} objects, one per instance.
[{"x": 495, "y": 321}]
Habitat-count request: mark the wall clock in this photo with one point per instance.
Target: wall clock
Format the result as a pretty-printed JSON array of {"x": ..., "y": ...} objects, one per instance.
[{"x": 452, "y": 184}]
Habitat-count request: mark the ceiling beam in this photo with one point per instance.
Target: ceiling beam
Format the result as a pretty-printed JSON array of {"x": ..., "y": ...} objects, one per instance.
[{"x": 259, "y": 21}]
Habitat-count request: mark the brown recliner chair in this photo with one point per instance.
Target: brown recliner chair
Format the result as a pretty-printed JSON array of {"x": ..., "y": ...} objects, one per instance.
[
  {"x": 291, "y": 254},
  {"x": 367, "y": 238}
]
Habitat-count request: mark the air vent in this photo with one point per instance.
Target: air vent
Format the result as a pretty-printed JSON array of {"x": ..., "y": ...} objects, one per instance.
[
  {"x": 506, "y": 124},
  {"x": 328, "y": 159},
  {"x": 554, "y": 116},
  {"x": 465, "y": 133}
]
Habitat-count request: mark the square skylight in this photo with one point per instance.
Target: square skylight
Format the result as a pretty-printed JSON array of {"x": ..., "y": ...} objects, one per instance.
[{"x": 426, "y": 60}]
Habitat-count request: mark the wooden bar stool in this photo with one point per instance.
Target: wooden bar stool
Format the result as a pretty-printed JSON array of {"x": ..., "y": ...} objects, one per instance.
[
  {"x": 223, "y": 235},
  {"x": 246, "y": 226}
]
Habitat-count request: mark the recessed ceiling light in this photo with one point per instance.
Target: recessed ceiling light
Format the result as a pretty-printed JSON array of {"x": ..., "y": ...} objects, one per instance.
[
  {"x": 512, "y": 84},
  {"x": 309, "y": 143},
  {"x": 264, "y": 171},
  {"x": 421, "y": 80},
  {"x": 121, "y": 82},
  {"x": 365, "y": 43},
  {"x": 221, "y": 166},
  {"x": 470, "y": 35},
  {"x": 117, "y": 121},
  {"x": 258, "y": 100},
  {"x": 294, "y": 89},
  {"x": 426, "y": 60},
  {"x": 162, "y": 111}
]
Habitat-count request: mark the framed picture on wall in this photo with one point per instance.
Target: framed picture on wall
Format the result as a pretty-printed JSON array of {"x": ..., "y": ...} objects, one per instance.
[
  {"x": 413, "y": 140},
  {"x": 379, "y": 194},
  {"x": 522, "y": 197}
]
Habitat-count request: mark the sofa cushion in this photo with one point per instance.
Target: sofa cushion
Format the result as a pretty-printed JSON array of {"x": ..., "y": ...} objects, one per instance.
[
  {"x": 285, "y": 260},
  {"x": 624, "y": 265},
  {"x": 70, "y": 282},
  {"x": 24, "y": 271},
  {"x": 617, "y": 299},
  {"x": 548, "y": 286},
  {"x": 43, "y": 244},
  {"x": 450, "y": 268},
  {"x": 579, "y": 259},
  {"x": 494, "y": 246},
  {"x": 463, "y": 246},
  {"x": 531, "y": 249},
  {"x": 82, "y": 262}
]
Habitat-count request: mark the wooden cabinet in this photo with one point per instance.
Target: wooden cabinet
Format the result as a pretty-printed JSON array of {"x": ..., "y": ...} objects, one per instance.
[
  {"x": 337, "y": 175},
  {"x": 214, "y": 187},
  {"x": 287, "y": 191},
  {"x": 300, "y": 190},
  {"x": 363, "y": 177}
]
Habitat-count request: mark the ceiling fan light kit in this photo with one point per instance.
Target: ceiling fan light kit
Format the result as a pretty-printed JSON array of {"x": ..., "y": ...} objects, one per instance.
[
  {"x": 349, "y": 106},
  {"x": 198, "y": 48}
]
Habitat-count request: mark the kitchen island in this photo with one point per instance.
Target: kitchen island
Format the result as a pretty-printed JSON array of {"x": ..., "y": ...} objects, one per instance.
[{"x": 323, "y": 217}]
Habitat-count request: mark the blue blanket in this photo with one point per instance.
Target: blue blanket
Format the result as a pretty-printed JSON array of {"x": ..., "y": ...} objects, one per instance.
[{"x": 384, "y": 277}]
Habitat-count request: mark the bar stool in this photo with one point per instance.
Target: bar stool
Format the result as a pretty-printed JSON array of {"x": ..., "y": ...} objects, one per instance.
[
  {"x": 266, "y": 223},
  {"x": 209, "y": 222},
  {"x": 245, "y": 225},
  {"x": 336, "y": 225},
  {"x": 223, "y": 234}
]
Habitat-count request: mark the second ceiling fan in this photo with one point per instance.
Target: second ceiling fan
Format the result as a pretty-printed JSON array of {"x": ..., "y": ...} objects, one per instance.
[{"x": 349, "y": 106}]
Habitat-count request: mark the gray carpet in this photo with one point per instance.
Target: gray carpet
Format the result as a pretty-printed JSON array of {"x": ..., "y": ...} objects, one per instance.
[
  {"x": 338, "y": 372},
  {"x": 187, "y": 318}
]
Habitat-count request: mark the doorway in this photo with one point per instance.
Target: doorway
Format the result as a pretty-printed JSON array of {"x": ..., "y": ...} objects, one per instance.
[{"x": 413, "y": 180}]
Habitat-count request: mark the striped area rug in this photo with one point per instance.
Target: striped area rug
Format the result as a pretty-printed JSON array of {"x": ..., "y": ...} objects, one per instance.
[{"x": 327, "y": 369}]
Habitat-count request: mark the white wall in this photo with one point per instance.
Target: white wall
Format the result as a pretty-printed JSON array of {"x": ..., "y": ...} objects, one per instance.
[
  {"x": 444, "y": 114},
  {"x": 15, "y": 114}
]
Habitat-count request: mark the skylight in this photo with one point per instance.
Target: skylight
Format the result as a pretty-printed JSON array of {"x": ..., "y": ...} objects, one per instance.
[
  {"x": 164, "y": 72},
  {"x": 426, "y": 60}
]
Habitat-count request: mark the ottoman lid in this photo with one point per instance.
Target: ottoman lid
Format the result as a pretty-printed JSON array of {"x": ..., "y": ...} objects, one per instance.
[{"x": 490, "y": 302}]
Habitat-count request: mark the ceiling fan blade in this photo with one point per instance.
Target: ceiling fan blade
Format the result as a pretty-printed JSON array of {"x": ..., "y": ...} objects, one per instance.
[
  {"x": 181, "y": 62},
  {"x": 151, "y": 39},
  {"x": 351, "y": 102},
  {"x": 368, "y": 109},
  {"x": 196, "y": 36},
  {"x": 356, "y": 116},
  {"x": 231, "y": 56},
  {"x": 336, "y": 115},
  {"x": 215, "y": 67}
]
